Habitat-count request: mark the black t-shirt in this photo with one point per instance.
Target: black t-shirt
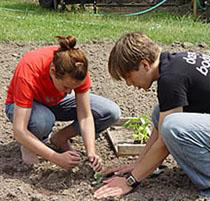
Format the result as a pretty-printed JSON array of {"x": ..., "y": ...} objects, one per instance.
[{"x": 184, "y": 82}]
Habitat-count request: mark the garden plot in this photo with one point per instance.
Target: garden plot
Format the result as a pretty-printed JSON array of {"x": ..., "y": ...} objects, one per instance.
[
  {"x": 128, "y": 136},
  {"x": 46, "y": 181}
]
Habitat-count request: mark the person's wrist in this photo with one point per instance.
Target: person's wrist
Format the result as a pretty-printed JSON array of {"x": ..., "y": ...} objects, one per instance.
[
  {"x": 54, "y": 157},
  {"x": 131, "y": 180},
  {"x": 91, "y": 153}
]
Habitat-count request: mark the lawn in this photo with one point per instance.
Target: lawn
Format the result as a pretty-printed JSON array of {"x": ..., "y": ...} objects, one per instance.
[{"x": 27, "y": 21}]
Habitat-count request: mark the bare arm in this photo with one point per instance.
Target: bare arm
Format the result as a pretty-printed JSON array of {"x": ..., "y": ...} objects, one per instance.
[
  {"x": 152, "y": 139},
  {"x": 87, "y": 128},
  {"x": 156, "y": 154},
  {"x": 128, "y": 168},
  {"x": 86, "y": 122},
  {"x": 155, "y": 132},
  {"x": 25, "y": 137},
  {"x": 28, "y": 140}
]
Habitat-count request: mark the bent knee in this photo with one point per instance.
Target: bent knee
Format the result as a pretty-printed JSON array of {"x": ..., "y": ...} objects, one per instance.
[
  {"x": 156, "y": 116},
  {"x": 115, "y": 113},
  {"x": 41, "y": 122},
  {"x": 42, "y": 127},
  {"x": 171, "y": 126}
]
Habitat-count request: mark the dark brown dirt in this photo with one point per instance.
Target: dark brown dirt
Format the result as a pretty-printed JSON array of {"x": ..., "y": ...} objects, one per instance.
[{"x": 47, "y": 182}]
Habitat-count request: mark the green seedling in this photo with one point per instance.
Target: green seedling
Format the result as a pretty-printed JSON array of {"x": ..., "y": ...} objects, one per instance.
[
  {"x": 141, "y": 128},
  {"x": 98, "y": 180},
  {"x": 98, "y": 176}
]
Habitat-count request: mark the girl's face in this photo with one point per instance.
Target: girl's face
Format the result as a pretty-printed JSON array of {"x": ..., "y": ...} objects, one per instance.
[{"x": 66, "y": 83}]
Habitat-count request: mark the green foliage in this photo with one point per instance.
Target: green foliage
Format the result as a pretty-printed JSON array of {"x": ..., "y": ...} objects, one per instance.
[
  {"x": 98, "y": 176},
  {"x": 23, "y": 20},
  {"x": 141, "y": 128}
]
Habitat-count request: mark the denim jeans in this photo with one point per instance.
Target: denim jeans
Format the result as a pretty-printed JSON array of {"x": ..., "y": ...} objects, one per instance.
[
  {"x": 105, "y": 113},
  {"x": 187, "y": 137}
]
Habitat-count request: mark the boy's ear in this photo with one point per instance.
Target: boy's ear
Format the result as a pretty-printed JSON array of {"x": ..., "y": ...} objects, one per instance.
[{"x": 145, "y": 64}]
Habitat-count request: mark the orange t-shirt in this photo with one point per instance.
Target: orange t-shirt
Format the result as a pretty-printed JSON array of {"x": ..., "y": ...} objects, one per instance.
[{"x": 31, "y": 81}]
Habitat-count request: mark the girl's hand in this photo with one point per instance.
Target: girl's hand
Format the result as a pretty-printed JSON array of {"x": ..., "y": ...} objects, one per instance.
[
  {"x": 95, "y": 161},
  {"x": 66, "y": 160}
]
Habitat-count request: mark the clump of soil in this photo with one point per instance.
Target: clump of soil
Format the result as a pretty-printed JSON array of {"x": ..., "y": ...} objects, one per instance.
[{"x": 47, "y": 182}]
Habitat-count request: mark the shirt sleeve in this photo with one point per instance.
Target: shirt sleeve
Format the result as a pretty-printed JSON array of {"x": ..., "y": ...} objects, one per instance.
[
  {"x": 23, "y": 93},
  {"x": 85, "y": 86},
  {"x": 172, "y": 92}
]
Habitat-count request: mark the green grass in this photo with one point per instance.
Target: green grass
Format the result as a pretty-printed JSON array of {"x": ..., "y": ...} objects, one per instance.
[{"x": 22, "y": 21}]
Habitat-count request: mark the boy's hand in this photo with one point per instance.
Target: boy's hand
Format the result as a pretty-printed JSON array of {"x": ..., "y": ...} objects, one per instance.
[
  {"x": 114, "y": 187},
  {"x": 66, "y": 160},
  {"x": 95, "y": 161},
  {"x": 118, "y": 170}
]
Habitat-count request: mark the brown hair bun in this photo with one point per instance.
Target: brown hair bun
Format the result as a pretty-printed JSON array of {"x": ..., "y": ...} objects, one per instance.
[{"x": 67, "y": 43}]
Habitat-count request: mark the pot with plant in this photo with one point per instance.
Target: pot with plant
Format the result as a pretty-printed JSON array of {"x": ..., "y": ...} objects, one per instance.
[
  {"x": 141, "y": 128},
  {"x": 130, "y": 135},
  {"x": 135, "y": 131}
]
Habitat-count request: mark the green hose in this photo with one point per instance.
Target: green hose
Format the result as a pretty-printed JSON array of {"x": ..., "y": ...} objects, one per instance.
[
  {"x": 199, "y": 5},
  {"x": 137, "y": 13},
  {"x": 147, "y": 10},
  {"x": 130, "y": 14}
]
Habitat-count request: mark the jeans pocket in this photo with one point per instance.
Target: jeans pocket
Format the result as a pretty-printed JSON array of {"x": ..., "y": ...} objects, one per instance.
[{"x": 9, "y": 111}]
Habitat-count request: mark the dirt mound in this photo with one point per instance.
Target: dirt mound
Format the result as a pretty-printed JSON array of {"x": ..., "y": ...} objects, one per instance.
[{"x": 45, "y": 181}]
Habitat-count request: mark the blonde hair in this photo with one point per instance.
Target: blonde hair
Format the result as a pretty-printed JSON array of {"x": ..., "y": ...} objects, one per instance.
[
  {"x": 70, "y": 60},
  {"x": 128, "y": 52}
]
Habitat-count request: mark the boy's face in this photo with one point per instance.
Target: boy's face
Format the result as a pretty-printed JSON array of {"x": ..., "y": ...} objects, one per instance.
[{"x": 140, "y": 78}]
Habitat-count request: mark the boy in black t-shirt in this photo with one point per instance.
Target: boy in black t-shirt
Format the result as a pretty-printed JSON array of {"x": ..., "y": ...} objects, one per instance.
[{"x": 182, "y": 118}]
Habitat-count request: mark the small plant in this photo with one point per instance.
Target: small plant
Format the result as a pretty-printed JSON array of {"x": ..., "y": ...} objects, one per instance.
[
  {"x": 98, "y": 176},
  {"x": 98, "y": 180},
  {"x": 141, "y": 128}
]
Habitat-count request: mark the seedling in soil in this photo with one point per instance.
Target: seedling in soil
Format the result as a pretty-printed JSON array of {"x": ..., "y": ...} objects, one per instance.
[
  {"x": 141, "y": 128},
  {"x": 98, "y": 180},
  {"x": 98, "y": 176}
]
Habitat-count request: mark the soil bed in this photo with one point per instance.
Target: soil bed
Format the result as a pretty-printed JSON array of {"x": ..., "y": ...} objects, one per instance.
[{"x": 47, "y": 182}]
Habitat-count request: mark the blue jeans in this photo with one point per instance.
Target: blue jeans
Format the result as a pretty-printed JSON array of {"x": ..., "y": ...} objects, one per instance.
[
  {"x": 105, "y": 113},
  {"x": 187, "y": 137}
]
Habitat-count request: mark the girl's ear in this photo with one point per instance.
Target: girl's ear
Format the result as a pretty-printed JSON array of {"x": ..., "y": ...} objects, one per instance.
[
  {"x": 146, "y": 64},
  {"x": 52, "y": 70}
]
